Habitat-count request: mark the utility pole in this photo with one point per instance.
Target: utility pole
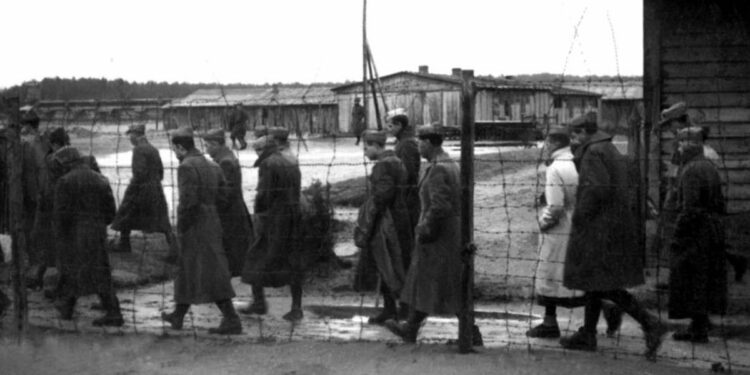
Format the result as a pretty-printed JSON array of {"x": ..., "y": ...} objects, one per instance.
[{"x": 466, "y": 318}]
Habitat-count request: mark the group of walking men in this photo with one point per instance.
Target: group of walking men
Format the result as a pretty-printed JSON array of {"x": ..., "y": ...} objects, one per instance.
[{"x": 588, "y": 252}]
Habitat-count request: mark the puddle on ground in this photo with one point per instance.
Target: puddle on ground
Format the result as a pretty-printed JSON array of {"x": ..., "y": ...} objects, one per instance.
[{"x": 350, "y": 312}]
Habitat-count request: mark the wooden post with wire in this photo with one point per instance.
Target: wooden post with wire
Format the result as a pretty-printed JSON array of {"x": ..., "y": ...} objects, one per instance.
[
  {"x": 15, "y": 160},
  {"x": 466, "y": 316}
]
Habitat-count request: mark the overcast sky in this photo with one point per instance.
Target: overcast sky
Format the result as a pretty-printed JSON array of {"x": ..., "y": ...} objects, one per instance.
[{"x": 259, "y": 41}]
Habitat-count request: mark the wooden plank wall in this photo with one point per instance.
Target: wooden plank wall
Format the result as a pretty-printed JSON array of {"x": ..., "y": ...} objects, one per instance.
[
  {"x": 319, "y": 120},
  {"x": 705, "y": 61}
]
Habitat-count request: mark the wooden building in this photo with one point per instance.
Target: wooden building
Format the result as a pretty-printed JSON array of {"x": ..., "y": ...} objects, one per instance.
[
  {"x": 63, "y": 112},
  {"x": 698, "y": 51},
  {"x": 302, "y": 109},
  {"x": 430, "y": 98}
]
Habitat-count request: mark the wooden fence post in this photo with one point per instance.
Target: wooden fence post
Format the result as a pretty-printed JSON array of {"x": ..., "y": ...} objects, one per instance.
[
  {"x": 14, "y": 154},
  {"x": 466, "y": 318}
]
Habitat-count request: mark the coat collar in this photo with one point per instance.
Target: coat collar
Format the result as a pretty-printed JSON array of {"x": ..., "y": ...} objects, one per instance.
[
  {"x": 406, "y": 134},
  {"x": 221, "y": 152},
  {"x": 563, "y": 153},
  {"x": 270, "y": 150}
]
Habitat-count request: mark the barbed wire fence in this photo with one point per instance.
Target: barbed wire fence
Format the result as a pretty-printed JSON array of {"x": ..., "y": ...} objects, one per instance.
[{"x": 508, "y": 180}]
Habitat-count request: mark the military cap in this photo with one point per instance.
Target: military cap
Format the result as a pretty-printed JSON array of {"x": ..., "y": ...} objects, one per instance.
[
  {"x": 214, "y": 135},
  {"x": 260, "y": 131},
  {"x": 559, "y": 130},
  {"x": 138, "y": 129},
  {"x": 183, "y": 132},
  {"x": 429, "y": 130},
  {"x": 377, "y": 136},
  {"x": 58, "y": 136},
  {"x": 67, "y": 155},
  {"x": 675, "y": 112},
  {"x": 279, "y": 133},
  {"x": 262, "y": 143},
  {"x": 585, "y": 120},
  {"x": 690, "y": 134}
]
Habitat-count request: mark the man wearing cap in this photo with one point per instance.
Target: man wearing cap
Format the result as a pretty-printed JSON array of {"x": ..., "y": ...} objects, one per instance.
[
  {"x": 203, "y": 272},
  {"x": 275, "y": 257},
  {"x": 407, "y": 149},
  {"x": 383, "y": 231},
  {"x": 236, "y": 225},
  {"x": 603, "y": 258},
  {"x": 697, "y": 277},
  {"x": 83, "y": 207},
  {"x": 280, "y": 136},
  {"x": 34, "y": 177},
  {"x": 357, "y": 123},
  {"x": 144, "y": 206},
  {"x": 237, "y": 124},
  {"x": 433, "y": 281},
  {"x": 561, "y": 182}
]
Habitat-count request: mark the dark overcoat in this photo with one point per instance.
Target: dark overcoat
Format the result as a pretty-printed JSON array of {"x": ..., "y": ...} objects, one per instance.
[
  {"x": 433, "y": 282},
  {"x": 236, "y": 225},
  {"x": 144, "y": 206},
  {"x": 83, "y": 207},
  {"x": 384, "y": 231},
  {"x": 358, "y": 124},
  {"x": 602, "y": 251},
  {"x": 275, "y": 258},
  {"x": 43, "y": 237},
  {"x": 697, "y": 277},
  {"x": 237, "y": 123},
  {"x": 203, "y": 272},
  {"x": 407, "y": 149}
]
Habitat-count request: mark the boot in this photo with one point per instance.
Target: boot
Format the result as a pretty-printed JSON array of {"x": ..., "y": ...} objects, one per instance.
[
  {"x": 581, "y": 340},
  {"x": 406, "y": 331},
  {"x": 476, "y": 338},
  {"x": 544, "y": 331},
  {"x": 113, "y": 318},
  {"x": 613, "y": 316},
  {"x": 110, "y": 320},
  {"x": 654, "y": 334},
  {"x": 65, "y": 306},
  {"x": 4, "y": 302},
  {"x": 389, "y": 312},
  {"x": 124, "y": 245},
  {"x": 294, "y": 315},
  {"x": 176, "y": 318},
  {"x": 230, "y": 322}
]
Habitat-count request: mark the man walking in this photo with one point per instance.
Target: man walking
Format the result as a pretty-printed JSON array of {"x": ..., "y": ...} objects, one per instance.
[
  {"x": 203, "y": 272},
  {"x": 697, "y": 277},
  {"x": 237, "y": 125},
  {"x": 357, "y": 123},
  {"x": 144, "y": 206},
  {"x": 384, "y": 231},
  {"x": 83, "y": 207},
  {"x": 433, "y": 282},
  {"x": 603, "y": 258},
  {"x": 407, "y": 149},
  {"x": 274, "y": 259},
  {"x": 236, "y": 225}
]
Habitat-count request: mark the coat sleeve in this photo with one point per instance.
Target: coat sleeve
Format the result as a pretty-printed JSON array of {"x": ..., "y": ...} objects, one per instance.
[
  {"x": 382, "y": 193},
  {"x": 63, "y": 207},
  {"x": 594, "y": 185},
  {"x": 140, "y": 166},
  {"x": 187, "y": 210},
  {"x": 224, "y": 192},
  {"x": 554, "y": 194},
  {"x": 411, "y": 159},
  {"x": 232, "y": 179},
  {"x": 108, "y": 206},
  {"x": 439, "y": 195},
  {"x": 263, "y": 195}
]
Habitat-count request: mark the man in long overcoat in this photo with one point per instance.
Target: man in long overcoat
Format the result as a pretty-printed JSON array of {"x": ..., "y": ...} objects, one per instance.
[
  {"x": 144, "y": 206},
  {"x": 237, "y": 228},
  {"x": 560, "y": 184},
  {"x": 34, "y": 177},
  {"x": 357, "y": 123},
  {"x": 433, "y": 282},
  {"x": 697, "y": 278},
  {"x": 275, "y": 257},
  {"x": 237, "y": 125},
  {"x": 603, "y": 258},
  {"x": 83, "y": 207},
  {"x": 407, "y": 149},
  {"x": 384, "y": 231},
  {"x": 203, "y": 272}
]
